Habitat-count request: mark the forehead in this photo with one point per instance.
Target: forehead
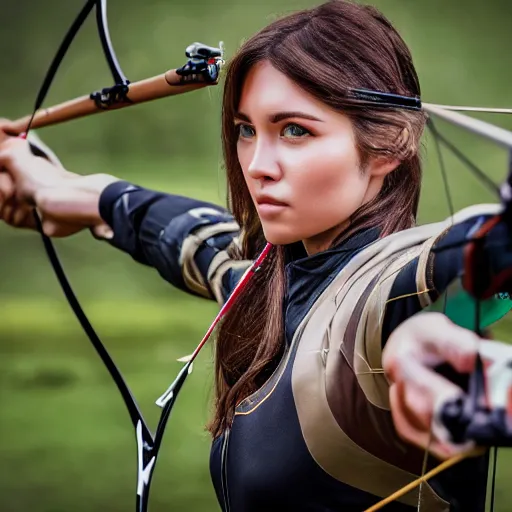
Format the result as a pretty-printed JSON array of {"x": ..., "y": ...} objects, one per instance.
[{"x": 266, "y": 89}]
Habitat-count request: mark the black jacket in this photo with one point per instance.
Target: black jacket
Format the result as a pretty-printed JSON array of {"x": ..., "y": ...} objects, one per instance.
[{"x": 263, "y": 463}]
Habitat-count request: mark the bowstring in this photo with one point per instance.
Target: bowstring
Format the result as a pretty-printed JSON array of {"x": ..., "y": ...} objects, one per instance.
[
  {"x": 482, "y": 176},
  {"x": 446, "y": 182},
  {"x": 442, "y": 167}
]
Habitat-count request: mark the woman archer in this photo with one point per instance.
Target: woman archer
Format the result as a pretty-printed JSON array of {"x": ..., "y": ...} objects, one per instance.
[{"x": 321, "y": 128}]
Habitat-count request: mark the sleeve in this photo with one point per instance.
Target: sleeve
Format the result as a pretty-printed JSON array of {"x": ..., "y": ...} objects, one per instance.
[
  {"x": 192, "y": 244},
  {"x": 434, "y": 279}
]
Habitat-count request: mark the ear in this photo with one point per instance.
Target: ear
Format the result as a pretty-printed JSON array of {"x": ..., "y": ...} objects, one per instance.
[{"x": 380, "y": 166}]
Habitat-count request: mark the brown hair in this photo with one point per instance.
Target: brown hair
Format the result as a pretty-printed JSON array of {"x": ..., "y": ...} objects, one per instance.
[{"x": 326, "y": 50}]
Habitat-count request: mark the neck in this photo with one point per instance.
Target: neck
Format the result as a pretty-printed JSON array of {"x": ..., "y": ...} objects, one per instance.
[{"x": 322, "y": 241}]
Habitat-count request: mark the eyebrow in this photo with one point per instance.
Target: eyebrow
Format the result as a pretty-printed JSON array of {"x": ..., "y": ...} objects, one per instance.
[{"x": 280, "y": 116}]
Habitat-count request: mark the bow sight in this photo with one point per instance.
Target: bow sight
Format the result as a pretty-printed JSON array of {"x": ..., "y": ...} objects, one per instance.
[{"x": 204, "y": 62}]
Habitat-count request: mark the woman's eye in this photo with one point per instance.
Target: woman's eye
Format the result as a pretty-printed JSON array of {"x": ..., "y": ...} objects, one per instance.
[
  {"x": 295, "y": 131},
  {"x": 245, "y": 131}
]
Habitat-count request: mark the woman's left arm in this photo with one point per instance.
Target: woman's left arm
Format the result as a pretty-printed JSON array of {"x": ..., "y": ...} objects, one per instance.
[{"x": 438, "y": 280}]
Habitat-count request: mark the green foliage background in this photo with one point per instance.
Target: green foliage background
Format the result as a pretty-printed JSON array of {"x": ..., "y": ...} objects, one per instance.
[{"x": 65, "y": 439}]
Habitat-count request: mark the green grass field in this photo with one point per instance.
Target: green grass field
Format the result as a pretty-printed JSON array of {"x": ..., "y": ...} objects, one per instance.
[{"x": 67, "y": 442}]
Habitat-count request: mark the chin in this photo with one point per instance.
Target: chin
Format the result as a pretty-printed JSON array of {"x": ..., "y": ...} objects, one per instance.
[{"x": 281, "y": 236}]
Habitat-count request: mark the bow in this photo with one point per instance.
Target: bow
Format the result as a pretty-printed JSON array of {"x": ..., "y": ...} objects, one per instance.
[{"x": 202, "y": 69}]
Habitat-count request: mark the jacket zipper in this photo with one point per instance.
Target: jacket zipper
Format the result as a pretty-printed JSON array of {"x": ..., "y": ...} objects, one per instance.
[{"x": 224, "y": 470}]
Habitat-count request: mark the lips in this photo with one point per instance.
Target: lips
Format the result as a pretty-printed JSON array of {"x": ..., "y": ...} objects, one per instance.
[
  {"x": 268, "y": 200},
  {"x": 269, "y": 207}
]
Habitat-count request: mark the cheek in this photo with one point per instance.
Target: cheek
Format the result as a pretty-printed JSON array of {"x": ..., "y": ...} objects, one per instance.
[
  {"x": 325, "y": 185},
  {"x": 331, "y": 180}
]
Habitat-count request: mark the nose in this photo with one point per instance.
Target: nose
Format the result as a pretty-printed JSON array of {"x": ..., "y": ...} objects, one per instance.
[{"x": 264, "y": 164}]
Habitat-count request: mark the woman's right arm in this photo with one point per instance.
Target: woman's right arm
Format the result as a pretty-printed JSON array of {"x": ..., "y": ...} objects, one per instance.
[{"x": 189, "y": 242}]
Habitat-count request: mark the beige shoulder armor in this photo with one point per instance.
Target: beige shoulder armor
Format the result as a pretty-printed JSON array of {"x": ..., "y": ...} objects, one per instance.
[{"x": 339, "y": 387}]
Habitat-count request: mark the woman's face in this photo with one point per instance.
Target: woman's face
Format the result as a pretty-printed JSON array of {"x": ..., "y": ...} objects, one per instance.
[{"x": 300, "y": 161}]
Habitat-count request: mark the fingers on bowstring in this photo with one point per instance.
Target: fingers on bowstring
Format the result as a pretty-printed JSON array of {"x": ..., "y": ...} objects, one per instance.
[
  {"x": 414, "y": 400},
  {"x": 7, "y": 199},
  {"x": 415, "y": 405},
  {"x": 455, "y": 345},
  {"x": 24, "y": 217},
  {"x": 6, "y": 210},
  {"x": 4, "y": 130},
  {"x": 6, "y": 126},
  {"x": 443, "y": 450},
  {"x": 426, "y": 385}
]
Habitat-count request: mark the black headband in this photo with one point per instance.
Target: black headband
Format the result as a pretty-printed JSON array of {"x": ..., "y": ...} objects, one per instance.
[{"x": 386, "y": 99}]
